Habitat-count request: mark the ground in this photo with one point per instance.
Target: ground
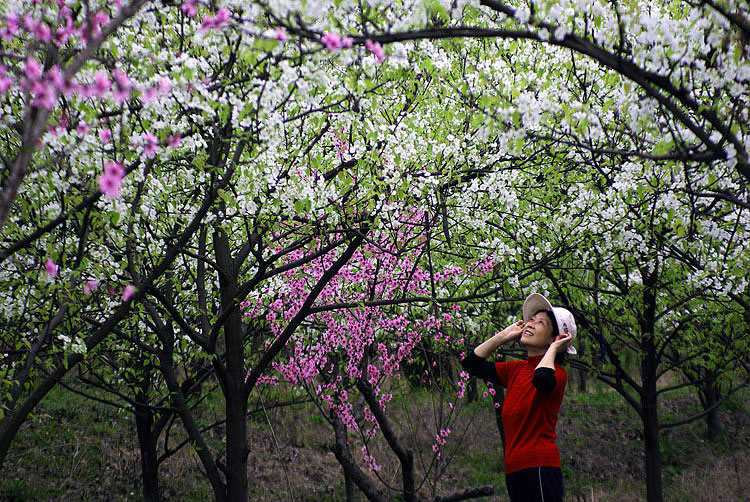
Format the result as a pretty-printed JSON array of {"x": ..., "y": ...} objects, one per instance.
[{"x": 78, "y": 450}]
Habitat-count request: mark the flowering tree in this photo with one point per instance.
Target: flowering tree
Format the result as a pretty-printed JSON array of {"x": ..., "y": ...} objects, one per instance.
[
  {"x": 177, "y": 155},
  {"x": 48, "y": 45},
  {"x": 349, "y": 353},
  {"x": 642, "y": 267}
]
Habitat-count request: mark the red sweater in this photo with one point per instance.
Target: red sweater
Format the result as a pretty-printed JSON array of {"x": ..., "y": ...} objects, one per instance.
[{"x": 529, "y": 416}]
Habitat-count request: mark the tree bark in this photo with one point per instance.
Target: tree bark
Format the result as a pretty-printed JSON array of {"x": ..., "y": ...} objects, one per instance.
[
  {"x": 144, "y": 421},
  {"x": 233, "y": 379},
  {"x": 711, "y": 397},
  {"x": 649, "y": 396},
  {"x": 651, "y": 437},
  {"x": 343, "y": 455},
  {"x": 351, "y": 488},
  {"x": 404, "y": 455}
]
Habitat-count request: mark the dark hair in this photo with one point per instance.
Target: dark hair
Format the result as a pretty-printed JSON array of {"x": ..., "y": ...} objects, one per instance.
[{"x": 555, "y": 329}]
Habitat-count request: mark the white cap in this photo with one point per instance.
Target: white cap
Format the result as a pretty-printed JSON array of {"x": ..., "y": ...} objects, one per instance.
[{"x": 566, "y": 323}]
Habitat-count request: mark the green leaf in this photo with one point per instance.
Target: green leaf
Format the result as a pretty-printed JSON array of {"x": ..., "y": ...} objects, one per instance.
[{"x": 114, "y": 217}]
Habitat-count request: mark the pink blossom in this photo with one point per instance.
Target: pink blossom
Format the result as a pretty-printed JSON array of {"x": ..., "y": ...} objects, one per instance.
[
  {"x": 128, "y": 293},
  {"x": 5, "y": 80},
  {"x": 124, "y": 85},
  {"x": 51, "y": 267},
  {"x": 71, "y": 87},
  {"x": 217, "y": 21},
  {"x": 102, "y": 84},
  {"x": 110, "y": 186},
  {"x": 55, "y": 77},
  {"x": 90, "y": 286},
  {"x": 281, "y": 35},
  {"x": 65, "y": 32},
  {"x": 28, "y": 22},
  {"x": 97, "y": 20},
  {"x": 222, "y": 16},
  {"x": 113, "y": 168},
  {"x": 332, "y": 41},
  {"x": 165, "y": 85},
  {"x": 189, "y": 8},
  {"x": 105, "y": 135},
  {"x": 120, "y": 95},
  {"x": 111, "y": 180},
  {"x": 64, "y": 120},
  {"x": 83, "y": 128},
  {"x": 32, "y": 69},
  {"x": 45, "y": 95},
  {"x": 122, "y": 78},
  {"x": 376, "y": 49},
  {"x": 174, "y": 140},
  {"x": 10, "y": 29},
  {"x": 150, "y": 144},
  {"x": 149, "y": 95},
  {"x": 100, "y": 18},
  {"x": 42, "y": 32}
]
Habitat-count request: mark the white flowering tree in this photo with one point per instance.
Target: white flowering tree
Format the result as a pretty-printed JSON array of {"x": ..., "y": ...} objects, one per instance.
[
  {"x": 600, "y": 208},
  {"x": 176, "y": 155},
  {"x": 646, "y": 291}
]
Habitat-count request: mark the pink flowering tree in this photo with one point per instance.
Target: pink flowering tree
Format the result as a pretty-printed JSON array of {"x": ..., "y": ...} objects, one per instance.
[
  {"x": 85, "y": 150},
  {"x": 351, "y": 353},
  {"x": 72, "y": 133},
  {"x": 49, "y": 45}
]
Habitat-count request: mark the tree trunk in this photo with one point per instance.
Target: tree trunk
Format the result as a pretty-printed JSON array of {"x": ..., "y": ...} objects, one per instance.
[
  {"x": 581, "y": 374},
  {"x": 144, "y": 420},
  {"x": 651, "y": 443},
  {"x": 147, "y": 438},
  {"x": 649, "y": 396},
  {"x": 711, "y": 397},
  {"x": 236, "y": 405},
  {"x": 351, "y": 488},
  {"x": 582, "y": 381},
  {"x": 236, "y": 448}
]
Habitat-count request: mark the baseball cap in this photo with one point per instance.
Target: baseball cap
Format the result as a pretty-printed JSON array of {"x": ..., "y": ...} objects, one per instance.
[{"x": 566, "y": 323}]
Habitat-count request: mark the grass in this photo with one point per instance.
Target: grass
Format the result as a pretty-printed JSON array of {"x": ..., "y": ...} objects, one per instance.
[{"x": 74, "y": 449}]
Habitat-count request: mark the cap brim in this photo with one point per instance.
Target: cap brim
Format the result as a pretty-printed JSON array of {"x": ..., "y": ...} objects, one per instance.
[{"x": 533, "y": 304}]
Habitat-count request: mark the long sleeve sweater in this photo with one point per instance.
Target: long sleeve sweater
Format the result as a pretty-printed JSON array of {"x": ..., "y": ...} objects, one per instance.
[{"x": 530, "y": 410}]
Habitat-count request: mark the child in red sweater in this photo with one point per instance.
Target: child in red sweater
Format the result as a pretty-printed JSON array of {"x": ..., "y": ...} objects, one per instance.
[{"x": 535, "y": 389}]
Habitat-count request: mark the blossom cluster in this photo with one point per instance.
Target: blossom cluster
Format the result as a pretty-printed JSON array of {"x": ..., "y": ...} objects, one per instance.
[{"x": 368, "y": 342}]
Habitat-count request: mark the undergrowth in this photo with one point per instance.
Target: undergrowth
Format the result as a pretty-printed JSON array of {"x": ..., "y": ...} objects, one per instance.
[{"x": 75, "y": 449}]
